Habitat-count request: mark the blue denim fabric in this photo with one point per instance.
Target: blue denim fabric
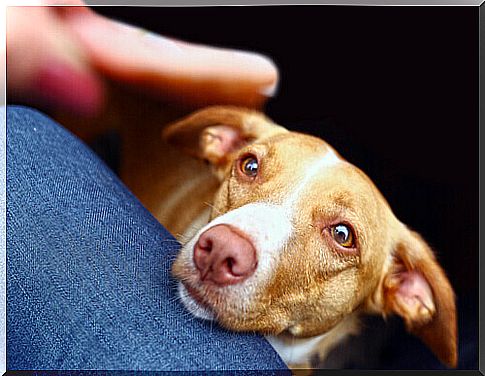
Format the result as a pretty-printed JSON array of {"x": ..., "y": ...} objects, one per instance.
[{"x": 88, "y": 269}]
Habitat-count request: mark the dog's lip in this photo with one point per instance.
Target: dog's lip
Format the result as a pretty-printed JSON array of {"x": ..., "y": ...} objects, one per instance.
[{"x": 195, "y": 294}]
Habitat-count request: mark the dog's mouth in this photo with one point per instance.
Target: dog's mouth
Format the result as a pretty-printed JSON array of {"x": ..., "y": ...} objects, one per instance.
[
  {"x": 209, "y": 301},
  {"x": 230, "y": 305},
  {"x": 194, "y": 294},
  {"x": 193, "y": 301},
  {"x": 227, "y": 310}
]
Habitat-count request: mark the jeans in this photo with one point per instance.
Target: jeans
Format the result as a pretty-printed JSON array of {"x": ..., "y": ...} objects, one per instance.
[{"x": 88, "y": 269}]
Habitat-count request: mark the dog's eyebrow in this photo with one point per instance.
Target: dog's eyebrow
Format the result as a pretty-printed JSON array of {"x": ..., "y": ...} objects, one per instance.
[
  {"x": 343, "y": 200},
  {"x": 278, "y": 137},
  {"x": 336, "y": 206}
]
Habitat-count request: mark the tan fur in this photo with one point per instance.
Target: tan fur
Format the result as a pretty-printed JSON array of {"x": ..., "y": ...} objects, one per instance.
[{"x": 315, "y": 286}]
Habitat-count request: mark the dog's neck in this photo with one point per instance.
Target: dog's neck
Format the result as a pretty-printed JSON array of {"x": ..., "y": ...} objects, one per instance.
[{"x": 299, "y": 351}]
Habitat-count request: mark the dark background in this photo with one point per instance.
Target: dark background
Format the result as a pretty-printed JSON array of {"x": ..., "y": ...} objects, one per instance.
[{"x": 395, "y": 90}]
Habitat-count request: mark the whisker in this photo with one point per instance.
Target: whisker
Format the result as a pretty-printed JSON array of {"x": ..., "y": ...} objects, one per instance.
[{"x": 218, "y": 212}]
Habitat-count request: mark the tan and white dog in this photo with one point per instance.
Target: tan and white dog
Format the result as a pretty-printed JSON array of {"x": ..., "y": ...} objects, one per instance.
[{"x": 282, "y": 236}]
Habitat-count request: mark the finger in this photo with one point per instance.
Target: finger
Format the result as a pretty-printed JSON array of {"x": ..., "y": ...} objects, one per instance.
[
  {"x": 46, "y": 66},
  {"x": 175, "y": 70}
]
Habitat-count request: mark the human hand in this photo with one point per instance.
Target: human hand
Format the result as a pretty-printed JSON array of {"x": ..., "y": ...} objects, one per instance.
[{"x": 58, "y": 56}]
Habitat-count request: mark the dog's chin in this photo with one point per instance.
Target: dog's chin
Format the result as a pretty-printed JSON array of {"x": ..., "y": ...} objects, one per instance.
[
  {"x": 193, "y": 304},
  {"x": 237, "y": 321}
]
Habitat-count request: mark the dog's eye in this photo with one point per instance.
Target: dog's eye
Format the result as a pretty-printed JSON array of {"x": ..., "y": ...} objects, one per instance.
[
  {"x": 343, "y": 235},
  {"x": 249, "y": 165}
]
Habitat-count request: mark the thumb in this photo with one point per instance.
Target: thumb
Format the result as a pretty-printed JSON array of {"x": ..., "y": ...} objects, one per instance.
[
  {"x": 46, "y": 65},
  {"x": 174, "y": 70}
]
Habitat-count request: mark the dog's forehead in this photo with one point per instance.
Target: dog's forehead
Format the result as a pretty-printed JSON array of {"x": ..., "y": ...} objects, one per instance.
[
  {"x": 289, "y": 140},
  {"x": 313, "y": 166}
]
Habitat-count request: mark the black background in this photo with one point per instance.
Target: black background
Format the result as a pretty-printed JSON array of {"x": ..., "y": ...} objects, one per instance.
[{"x": 394, "y": 89}]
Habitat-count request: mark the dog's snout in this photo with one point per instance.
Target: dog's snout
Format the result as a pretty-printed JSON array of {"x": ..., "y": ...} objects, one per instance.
[{"x": 223, "y": 256}]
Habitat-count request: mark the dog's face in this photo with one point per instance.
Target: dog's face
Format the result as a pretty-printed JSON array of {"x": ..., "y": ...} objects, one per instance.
[{"x": 299, "y": 238}]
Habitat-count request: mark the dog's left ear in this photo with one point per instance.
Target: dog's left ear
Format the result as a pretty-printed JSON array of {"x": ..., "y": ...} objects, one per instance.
[
  {"x": 416, "y": 288},
  {"x": 214, "y": 133}
]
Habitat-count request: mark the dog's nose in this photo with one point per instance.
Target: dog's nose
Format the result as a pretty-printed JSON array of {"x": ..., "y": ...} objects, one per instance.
[{"x": 223, "y": 256}]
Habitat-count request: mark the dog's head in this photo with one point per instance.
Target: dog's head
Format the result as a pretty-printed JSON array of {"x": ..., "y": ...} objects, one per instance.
[{"x": 299, "y": 238}]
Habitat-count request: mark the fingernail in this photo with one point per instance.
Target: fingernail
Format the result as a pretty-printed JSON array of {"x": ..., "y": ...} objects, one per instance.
[
  {"x": 269, "y": 90},
  {"x": 59, "y": 85},
  {"x": 254, "y": 59},
  {"x": 265, "y": 68},
  {"x": 155, "y": 40}
]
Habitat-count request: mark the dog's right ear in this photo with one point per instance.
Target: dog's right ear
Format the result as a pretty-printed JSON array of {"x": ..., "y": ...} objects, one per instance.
[
  {"x": 214, "y": 133},
  {"x": 416, "y": 288}
]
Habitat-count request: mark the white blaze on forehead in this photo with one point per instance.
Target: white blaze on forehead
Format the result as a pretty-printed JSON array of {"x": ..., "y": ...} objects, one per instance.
[{"x": 314, "y": 170}]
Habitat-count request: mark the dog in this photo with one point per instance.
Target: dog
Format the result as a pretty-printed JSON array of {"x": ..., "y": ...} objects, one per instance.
[{"x": 282, "y": 236}]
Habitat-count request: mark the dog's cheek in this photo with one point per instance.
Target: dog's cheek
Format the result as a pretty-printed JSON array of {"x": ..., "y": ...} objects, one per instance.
[
  {"x": 273, "y": 324},
  {"x": 220, "y": 204},
  {"x": 177, "y": 268},
  {"x": 182, "y": 268},
  {"x": 339, "y": 297}
]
